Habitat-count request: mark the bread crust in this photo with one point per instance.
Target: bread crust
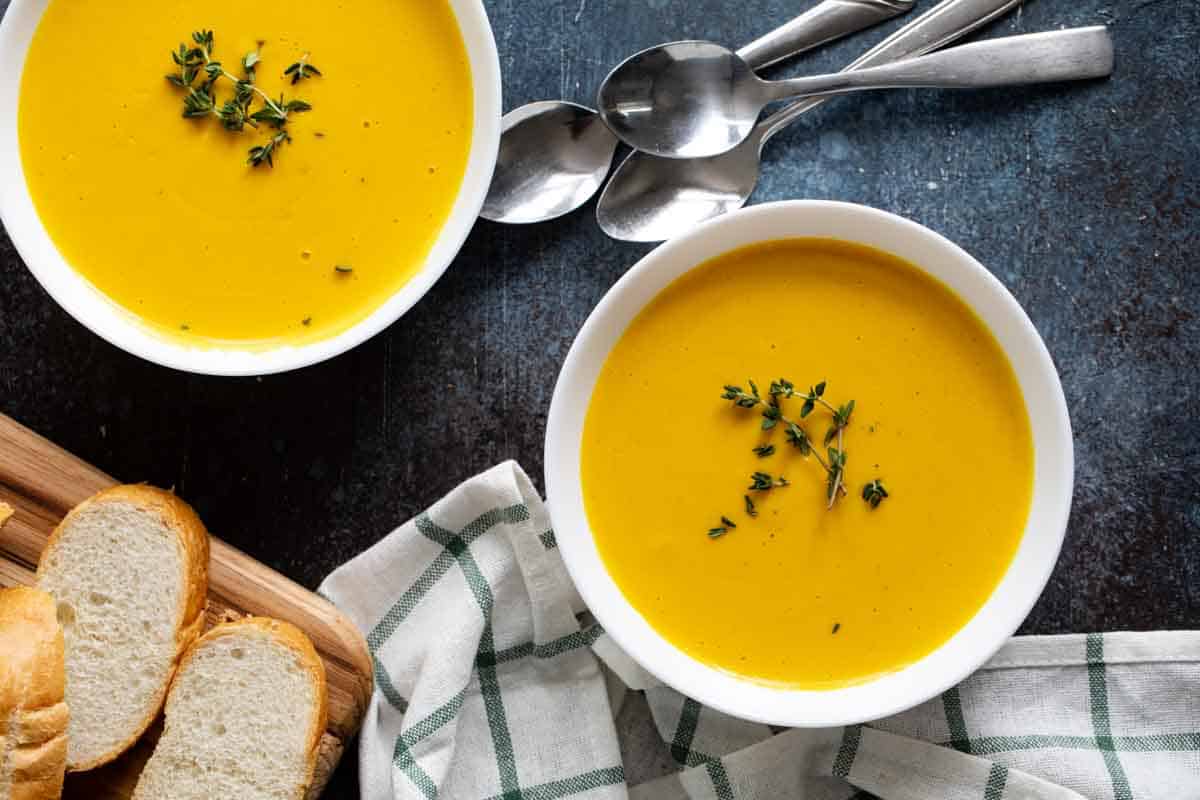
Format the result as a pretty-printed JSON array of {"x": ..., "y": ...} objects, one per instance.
[
  {"x": 32, "y": 688},
  {"x": 6, "y": 511},
  {"x": 189, "y": 620}
]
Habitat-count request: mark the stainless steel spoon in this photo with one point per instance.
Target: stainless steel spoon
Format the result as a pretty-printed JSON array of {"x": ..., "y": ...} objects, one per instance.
[
  {"x": 699, "y": 99},
  {"x": 651, "y": 199},
  {"x": 554, "y": 155}
]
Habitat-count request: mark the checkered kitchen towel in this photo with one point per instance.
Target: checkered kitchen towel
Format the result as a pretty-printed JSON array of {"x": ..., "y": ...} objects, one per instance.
[{"x": 487, "y": 686}]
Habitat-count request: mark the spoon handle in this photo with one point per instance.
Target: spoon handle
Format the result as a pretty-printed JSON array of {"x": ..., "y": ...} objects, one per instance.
[
  {"x": 1075, "y": 54},
  {"x": 824, "y": 22},
  {"x": 946, "y": 22}
]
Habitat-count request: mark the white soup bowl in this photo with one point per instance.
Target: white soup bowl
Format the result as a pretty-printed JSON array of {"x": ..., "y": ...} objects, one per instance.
[
  {"x": 1021, "y": 584},
  {"x": 89, "y": 306}
]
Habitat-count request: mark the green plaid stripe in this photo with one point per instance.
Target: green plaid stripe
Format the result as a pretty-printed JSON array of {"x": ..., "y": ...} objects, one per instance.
[
  {"x": 383, "y": 682},
  {"x": 435, "y": 721},
  {"x": 551, "y": 649},
  {"x": 394, "y": 617},
  {"x": 997, "y": 778},
  {"x": 681, "y": 750},
  {"x": 685, "y": 732},
  {"x": 406, "y": 762},
  {"x": 474, "y": 529},
  {"x": 402, "y": 754},
  {"x": 409, "y": 600},
  {"x": 610, "y": 776},
  {"x": 844, "y": 762},
  {"x": 1098, "y": 684},
  {"x": 493, "y": 703},
  {"x": 1165, "y": 742},
  {"x": 957, "y": 725},
  {"x": 555, "y": 647},
  {"x": 720, "y": 779}
]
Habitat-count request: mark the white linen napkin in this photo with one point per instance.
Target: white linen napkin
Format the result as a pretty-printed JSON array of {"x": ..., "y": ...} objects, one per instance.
[{"x": 487, "y": 686}]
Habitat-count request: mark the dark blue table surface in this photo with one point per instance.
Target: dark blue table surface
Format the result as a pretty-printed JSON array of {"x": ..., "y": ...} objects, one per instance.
[{"x": 1084, "y": 200}]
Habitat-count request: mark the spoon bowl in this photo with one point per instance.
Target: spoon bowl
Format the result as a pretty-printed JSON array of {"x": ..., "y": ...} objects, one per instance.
[
  {"x": 553, "y": 157},
  {"x": 684, "y": 99},
  {"x": 652, "y": 199}
]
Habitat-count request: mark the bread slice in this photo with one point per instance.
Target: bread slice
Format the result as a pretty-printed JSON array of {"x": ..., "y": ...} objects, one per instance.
[
  {"x": 33, "y": 716},
  {"x": 128, "y": 569},
  {"x": 244, "y": 717}
]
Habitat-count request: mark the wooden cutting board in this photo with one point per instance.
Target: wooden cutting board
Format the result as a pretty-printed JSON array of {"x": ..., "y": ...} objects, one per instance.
[{"x": 42, "y": 482}]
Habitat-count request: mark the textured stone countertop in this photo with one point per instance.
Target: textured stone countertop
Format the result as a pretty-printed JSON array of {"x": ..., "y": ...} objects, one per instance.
[{"x": 1084, "y": 200}]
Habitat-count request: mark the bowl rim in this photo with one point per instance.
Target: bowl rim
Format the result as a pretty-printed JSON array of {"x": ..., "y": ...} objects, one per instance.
[
  {"x": 120, "y": 327},
  {"x": 1013, "y": 597}
]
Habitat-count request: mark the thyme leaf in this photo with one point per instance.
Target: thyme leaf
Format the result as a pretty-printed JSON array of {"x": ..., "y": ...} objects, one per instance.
[{"x": 874, "y": 493}]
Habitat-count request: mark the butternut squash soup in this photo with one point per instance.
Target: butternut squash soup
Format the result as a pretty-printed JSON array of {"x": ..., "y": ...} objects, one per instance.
[
  {"x": 284, "y": 233},
  {"x": 721, "y": 421}
]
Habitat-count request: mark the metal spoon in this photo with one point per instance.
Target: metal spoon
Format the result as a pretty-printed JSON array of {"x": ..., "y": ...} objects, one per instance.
[
  {"x": 650, "y": 199},
  {"x": 699, "y": 99},
  {"x": 554, "y": 155}
]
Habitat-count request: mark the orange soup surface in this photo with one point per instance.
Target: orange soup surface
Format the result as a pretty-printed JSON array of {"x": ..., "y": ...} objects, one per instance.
[{"x": 803, "y": 595}]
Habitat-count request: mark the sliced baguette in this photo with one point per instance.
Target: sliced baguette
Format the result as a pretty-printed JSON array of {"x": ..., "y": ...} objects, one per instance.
[
  {"x": 33, "y": 716},
  {"x": 128, "y": 569},
  {"x": 244, "y": 717}
]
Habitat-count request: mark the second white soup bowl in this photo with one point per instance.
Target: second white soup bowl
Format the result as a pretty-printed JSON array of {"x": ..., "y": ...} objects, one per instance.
[{"x": 1008, "y": 604}]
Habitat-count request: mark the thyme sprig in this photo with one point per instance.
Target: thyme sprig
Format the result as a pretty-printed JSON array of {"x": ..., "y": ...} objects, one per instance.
[
  {"x": 834, "y": 462},
  {"x": 773, "y": 415},
  {"x": 197, "y": 63}
]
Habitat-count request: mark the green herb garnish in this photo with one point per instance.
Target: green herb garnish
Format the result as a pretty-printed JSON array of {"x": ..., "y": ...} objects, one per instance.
[
  {"x": 874, "y": 493},
  {"x": 726, "y": 526},
  {"x": 196, "y": 63},
  {"x": 265, "y": 153},
  {"x": 763, "y": 482},
  {"x": 773, "y": 416},
  {"x": 343, "y": 269},
  {"x": 301, "y": 70}
]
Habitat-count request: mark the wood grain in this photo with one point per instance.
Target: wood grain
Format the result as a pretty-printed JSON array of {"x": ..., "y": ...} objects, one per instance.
[{"x": 41, "y": 481}]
